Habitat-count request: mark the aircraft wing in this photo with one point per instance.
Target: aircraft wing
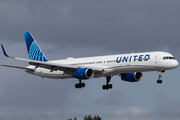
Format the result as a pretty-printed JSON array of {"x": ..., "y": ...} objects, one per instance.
[
  {"x": 49, "y": 65},
  {"x": 17, "y": 67}
]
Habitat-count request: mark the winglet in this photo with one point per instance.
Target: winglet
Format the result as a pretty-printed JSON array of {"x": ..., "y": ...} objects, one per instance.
[{"x": 4, "y": 51}]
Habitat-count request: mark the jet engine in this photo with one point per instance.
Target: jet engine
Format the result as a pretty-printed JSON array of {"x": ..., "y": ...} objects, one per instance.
[
  {"x": 132, "y": 77},
  {"x": 83, "y": 73}
]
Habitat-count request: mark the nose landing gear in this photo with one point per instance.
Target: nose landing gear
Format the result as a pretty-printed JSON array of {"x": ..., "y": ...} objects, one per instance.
[{"x": 159, "y": 81}]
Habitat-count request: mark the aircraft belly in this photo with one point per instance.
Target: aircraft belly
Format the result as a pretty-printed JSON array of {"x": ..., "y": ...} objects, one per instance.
[{"x": 132, "y": 68}]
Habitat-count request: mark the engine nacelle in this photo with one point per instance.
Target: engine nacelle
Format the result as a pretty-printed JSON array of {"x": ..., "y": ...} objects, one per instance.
[
  {"x": 132, "y": 77},
  {"x": 83, "y": 73}
]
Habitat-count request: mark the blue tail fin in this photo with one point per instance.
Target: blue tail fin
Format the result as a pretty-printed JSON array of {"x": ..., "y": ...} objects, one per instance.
[{"x": 34, "y": 51}]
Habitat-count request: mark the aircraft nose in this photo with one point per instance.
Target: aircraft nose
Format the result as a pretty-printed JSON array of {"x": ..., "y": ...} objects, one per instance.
[{"x": 175, "y": 64}]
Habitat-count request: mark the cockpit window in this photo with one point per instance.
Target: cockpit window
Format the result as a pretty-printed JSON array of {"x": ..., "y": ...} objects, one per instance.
[
  {"x": 171, "y": 57},
  {"x": 165, "y": 58}
]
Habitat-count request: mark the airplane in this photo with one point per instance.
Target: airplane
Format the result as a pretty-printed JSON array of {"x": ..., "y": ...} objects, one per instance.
[{"x": 128, "y": 66}]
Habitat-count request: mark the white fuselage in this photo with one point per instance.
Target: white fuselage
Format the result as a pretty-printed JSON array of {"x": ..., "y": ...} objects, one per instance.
[{"x": 113, "y": 64}]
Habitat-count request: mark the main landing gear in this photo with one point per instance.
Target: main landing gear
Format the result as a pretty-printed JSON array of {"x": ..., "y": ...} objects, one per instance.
[
  {"x": 159, "y": 81},
  {"x": 107, "y": 86},
  {"x": 80, "y": 85}
]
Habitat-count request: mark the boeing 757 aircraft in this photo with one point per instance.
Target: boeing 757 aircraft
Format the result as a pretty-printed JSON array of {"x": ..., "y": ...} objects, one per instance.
[{"x": 128, "y": 66}]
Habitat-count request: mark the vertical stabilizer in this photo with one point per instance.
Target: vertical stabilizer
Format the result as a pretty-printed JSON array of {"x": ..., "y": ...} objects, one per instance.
[{"x": 34, "y": 51}]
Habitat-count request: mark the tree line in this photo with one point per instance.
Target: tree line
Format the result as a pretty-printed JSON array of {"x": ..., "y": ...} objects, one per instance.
[{"x": 88, "y": 118}]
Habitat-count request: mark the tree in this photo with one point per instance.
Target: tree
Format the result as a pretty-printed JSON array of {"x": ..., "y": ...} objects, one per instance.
[
  {"x": 97, "y": 118},
  {"x": 90, "y": 118}
]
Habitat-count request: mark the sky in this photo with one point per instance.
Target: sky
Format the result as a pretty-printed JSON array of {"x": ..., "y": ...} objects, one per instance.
[{"x": 79, "y": 28}]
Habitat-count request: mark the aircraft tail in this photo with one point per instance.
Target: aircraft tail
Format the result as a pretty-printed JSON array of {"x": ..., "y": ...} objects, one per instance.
[{"x": 34, "y": 51}]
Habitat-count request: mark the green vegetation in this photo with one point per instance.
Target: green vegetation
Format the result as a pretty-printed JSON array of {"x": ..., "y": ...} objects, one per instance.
[{"x": 89, "y": 118}]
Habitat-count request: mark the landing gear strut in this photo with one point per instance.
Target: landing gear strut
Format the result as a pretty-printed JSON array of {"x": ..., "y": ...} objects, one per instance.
[
  {"x": 80, "y": 85},
  {"x": 107, "y": 86},
  {"x": 159, "y": 81}
]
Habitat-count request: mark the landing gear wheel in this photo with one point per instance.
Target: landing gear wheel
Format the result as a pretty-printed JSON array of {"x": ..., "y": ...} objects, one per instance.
[
  {"x": 104, "y": 87},
  {"x": 159, "y": 81},
  {"x": 79, "y": 85},
  {"x": 83, "y": 85},
  {"x": 110, "y": 86},
  {"x": 76, "y": 86},
  {"x": 107, "y": 86}
]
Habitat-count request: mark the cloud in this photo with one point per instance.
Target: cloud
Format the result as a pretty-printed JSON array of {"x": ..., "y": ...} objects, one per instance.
[
  {"x": 113, "y": 98},
  {"x": 130, "y": 113},
  {"x": 166, "y": 107},
  {"x": 86, "y": 28},
  {"x": 121, "y": 26}
]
